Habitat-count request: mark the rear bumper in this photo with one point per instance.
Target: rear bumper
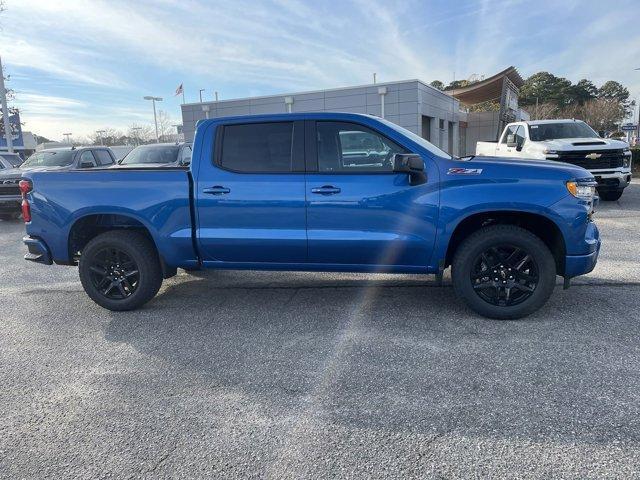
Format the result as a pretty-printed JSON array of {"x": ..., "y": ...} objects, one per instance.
[
  {"x": 10, "y": 204},
  {"x": 37, "y": 250}
]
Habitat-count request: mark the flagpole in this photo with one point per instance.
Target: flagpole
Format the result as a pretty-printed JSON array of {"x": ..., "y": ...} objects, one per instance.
[{"x": 183, "y": 102}]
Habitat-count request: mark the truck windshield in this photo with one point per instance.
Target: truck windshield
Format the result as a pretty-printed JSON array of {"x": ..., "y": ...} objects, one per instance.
[
  {"x": 152, "y": 154},
  {"x": 14, "y": 160},
  {"x": 553, "y": 131},
  {"x": 53, "y": 158}
]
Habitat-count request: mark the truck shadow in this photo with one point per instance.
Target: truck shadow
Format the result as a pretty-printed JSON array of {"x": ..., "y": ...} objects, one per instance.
[{"x": 399, "y": 355}]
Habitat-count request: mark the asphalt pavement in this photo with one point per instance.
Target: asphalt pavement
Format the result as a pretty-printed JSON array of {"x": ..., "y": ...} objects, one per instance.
[{"x": 305, "y": 375}]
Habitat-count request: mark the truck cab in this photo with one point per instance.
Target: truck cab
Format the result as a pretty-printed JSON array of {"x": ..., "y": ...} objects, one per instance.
[{"x": 570, "y": 141}]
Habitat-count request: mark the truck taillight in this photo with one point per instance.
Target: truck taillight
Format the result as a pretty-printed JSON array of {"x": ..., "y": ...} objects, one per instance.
[{"x": 25, "y": 187}]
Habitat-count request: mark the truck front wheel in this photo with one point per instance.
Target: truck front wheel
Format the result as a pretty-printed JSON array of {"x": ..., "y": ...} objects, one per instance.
[
  {"x": 120, "y": 270},
  {"x": 610, "y": 195},
  {"x": 503, "y": 272}
]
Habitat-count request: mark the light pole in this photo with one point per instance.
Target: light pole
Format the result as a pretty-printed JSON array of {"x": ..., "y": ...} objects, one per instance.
[
  {"x": 201, "y": 90},
  {"x": 155, "y": 118},
  {"x": 67, "y": 137},
  {"x": 135, "y": 135},
  {"x": 5, "y": 111},
  {"x": 100, "y": 132}
]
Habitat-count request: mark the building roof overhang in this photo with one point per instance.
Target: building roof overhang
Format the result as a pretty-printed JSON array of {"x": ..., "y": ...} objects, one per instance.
[{"x": 489, "y": 89}]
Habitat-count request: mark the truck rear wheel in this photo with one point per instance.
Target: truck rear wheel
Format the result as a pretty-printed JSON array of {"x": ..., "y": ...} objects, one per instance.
[
  {"x": 610, "y": 195},
  {"x": 503, "y": 272},
  {"x": 120, "y": 270}
]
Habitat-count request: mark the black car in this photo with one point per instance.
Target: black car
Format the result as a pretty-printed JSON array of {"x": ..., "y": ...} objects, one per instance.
[
  {"x": 10, "y": 197},
  {"x": 70, "y": 159}
]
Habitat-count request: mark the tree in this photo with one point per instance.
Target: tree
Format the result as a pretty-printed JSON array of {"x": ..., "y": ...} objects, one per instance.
[
  {"x": 583, "y": 91},
  {"x": 488, "y": 106},
  {"x": 543, "y": 87},
  {"x": 437, "y": 84},
  {"x": 454, "y": 85},
  {"x": 613, "y": 90},
  {"x": 545, "y": 111},
  {"x": 108, "y": 137},
  {"x": 603, "y": 114},
  {"x": 139, "y": 134},
  {"x": 166, "y": 131}
]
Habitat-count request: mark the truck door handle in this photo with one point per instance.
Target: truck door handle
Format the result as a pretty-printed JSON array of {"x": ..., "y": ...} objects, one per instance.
[
  {"x": 326, "y": 190},
  {"x": 216, "y": 190}
]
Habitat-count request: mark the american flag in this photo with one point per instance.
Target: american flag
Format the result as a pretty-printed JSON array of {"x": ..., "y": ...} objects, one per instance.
[{"x": 179, "y": 90}]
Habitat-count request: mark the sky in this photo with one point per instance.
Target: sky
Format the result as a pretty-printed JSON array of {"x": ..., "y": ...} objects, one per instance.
[{"x": 79, "y": 66}]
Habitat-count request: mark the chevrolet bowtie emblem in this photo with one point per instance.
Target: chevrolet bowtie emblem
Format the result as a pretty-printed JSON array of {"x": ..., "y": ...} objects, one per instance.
[{"x": 593, "y": 156}]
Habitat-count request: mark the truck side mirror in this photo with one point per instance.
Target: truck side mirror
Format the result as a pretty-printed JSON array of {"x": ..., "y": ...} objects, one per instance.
[
  {"x": 511, "y": 140},
  {"x": 412, "y": 164}
]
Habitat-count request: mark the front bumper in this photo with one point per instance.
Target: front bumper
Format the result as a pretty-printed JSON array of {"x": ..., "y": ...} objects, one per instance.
[
  {"x": 575, "y": 265},
  {"x": 612, "y": 179},
  {"x": 37, "y": 250}
]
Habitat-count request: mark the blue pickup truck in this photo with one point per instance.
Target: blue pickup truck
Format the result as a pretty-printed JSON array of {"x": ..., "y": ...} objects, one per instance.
[{"x": 319, "y": 192}]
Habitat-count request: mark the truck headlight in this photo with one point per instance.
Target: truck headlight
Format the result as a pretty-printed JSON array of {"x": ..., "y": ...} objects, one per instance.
[
  {"x": 626, "y": 162},
  {"x": 582, "y": 190}
]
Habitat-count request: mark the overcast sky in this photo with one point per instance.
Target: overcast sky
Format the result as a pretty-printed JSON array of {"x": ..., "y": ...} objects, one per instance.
[{"x": 79, "y": 65}]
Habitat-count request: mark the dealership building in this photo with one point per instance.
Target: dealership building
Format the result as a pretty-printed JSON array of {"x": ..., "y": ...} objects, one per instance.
[{"x": 443, "y": 118}]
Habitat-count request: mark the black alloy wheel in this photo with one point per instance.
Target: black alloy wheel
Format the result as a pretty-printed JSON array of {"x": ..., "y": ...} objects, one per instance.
[
  {"x": 504, "y": 275},
  {"x": 120, "y": 269},
  {"x": 114, "y": 273},
  {"x": 503, "y": 272}
]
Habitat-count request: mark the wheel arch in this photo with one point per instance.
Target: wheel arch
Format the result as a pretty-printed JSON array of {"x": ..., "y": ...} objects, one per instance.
[
  {"x": 540, "y": 225},
  {"x": 87, "y": 227}
]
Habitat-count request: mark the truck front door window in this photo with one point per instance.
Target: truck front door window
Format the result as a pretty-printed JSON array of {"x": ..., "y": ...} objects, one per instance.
[
  {"x": 519, "y": 137},
  {"x": 348, "y": 147},
  {"x": 510, "y": 130}
]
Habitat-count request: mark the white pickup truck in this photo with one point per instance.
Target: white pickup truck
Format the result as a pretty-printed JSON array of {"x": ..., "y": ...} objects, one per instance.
[{"x": 569, "y": 141}]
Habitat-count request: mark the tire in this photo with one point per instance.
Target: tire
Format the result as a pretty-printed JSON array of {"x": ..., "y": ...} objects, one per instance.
[
  {"x": 475, "y": 285},
  {"x": 116, "y": 255},
  {"x": 610, "y": 195}
]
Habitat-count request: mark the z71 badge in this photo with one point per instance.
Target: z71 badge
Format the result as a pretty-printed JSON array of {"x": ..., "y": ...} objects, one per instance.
[{"x": 464, "y": 171}]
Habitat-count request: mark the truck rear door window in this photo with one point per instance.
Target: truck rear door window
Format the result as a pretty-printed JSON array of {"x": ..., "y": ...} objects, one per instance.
[{"x": 257, "y": 147}]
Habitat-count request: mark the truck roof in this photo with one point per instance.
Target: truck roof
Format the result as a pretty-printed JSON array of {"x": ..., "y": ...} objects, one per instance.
[
  {"x": 295, "y": 116},
  {"x": 559, "y": 120}
]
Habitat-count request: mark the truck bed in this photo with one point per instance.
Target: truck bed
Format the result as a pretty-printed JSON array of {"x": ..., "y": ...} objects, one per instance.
[
  {"x": 487, "y": 149},
  {"x": 158, "y": 198}
]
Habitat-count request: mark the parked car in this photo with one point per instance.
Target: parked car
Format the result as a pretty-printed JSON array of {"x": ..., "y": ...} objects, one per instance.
[
  {"x": 569, "y": 141},
  {"x": 158, "y": 155},
  {"x": 70, "y": 159},
  {"x": 280, "y": 192},
  {"x": 121, "y": 151},
  {"x": 10, "y": 198}
]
